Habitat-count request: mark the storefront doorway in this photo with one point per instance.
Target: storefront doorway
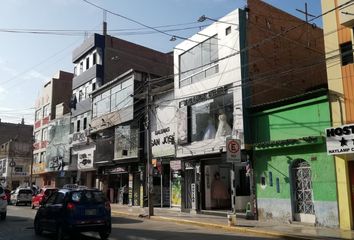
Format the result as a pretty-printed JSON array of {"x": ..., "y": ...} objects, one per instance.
[
  {"x": 302, "y": 192},
  {"x": 217, "y": 187}
]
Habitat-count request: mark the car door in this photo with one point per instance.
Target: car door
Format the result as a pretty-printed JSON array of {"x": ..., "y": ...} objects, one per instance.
[
  {"x": 43, "y": 213},
  {"x": 55, "y": 210}
]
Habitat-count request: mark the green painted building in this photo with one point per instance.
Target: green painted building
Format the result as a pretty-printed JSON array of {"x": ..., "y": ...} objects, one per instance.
[{"x": 294, "y": 176}]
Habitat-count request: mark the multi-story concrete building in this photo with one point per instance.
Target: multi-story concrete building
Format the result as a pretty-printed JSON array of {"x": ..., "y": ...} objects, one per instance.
[
  {"x": 15, "y": 154},
  {"x": 208, "y": 89},
  {"x": 249, "y": 57},
  {"x": 99, "y": 60},
  {"x": 338, "y": 23},
  {"x": 57, "y": 90}
]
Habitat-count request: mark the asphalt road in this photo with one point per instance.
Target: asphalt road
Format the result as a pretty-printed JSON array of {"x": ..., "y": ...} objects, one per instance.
[{"x": 19, "y": 226}]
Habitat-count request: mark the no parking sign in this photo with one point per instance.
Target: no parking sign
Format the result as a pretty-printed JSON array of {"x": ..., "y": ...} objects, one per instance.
[{"x": 233, "y": 150}]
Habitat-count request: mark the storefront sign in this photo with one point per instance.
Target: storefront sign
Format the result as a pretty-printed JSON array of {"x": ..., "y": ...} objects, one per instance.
[
  {"x": 163, "y": 142},
  {"x": 176, "y": 165},
  {"x": 203, "y": 97},
  {"x": 340, "y": 140},
  {"x": 116, "y": 170}
]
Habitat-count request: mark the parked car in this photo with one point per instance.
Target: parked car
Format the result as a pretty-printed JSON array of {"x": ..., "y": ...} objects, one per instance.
[
  {"x": 70, "y": 211},
  {"x": 8, "y": 195},
  {"x": 3, "y": 203},
  {"x": 21, "y": 196},
  {"x": 43, "y": 193}
]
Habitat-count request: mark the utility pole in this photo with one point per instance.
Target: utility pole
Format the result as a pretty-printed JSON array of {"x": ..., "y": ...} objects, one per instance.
[
  {"x": 148, "y": 150},
  {"x": 307, "y": 22}
]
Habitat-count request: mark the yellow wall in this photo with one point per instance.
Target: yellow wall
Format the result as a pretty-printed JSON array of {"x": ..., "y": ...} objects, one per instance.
[{"x": 335, "y": 84}]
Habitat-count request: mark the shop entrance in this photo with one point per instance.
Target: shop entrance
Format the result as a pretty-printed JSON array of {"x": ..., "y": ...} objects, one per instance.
[
  {"x": 217, "y": 189},
  {"x": 161, "y": 182},
  {"x": 118, "y": 188}
]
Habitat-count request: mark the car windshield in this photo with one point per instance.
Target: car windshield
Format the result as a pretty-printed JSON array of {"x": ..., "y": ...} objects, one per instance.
[
  {"x": 87, "y": 197},
  {"x": 25, "y": 191}
]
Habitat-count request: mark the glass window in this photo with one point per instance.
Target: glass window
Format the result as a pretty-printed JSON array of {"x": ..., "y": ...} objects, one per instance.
[
  {"x": 44, "y": 134},
  {"x": 94, "y": 58},
  {"x": 197, "y": 59},
  {"x": 59, "y": 198},
  {"x": 43, "y": 157},
  {"x": 126, "y": 141},
  {"x": 78, "y": 126},
  {"x": 212, "y": 118},
  {"x": 87, "y": 63},
  {"x": 38, "y": 115},
  {"x": 85, "y": 123},
  {"x": 118, "y": 97},
  {"x": 346, "y": 51},
  {"x": 227, "y": 30},
  {"x": 46, "y": 110},
  {"x": 37, "y": 136},
  {"x": 51, "y": 198},
  {"x": 81, "y": 67}
]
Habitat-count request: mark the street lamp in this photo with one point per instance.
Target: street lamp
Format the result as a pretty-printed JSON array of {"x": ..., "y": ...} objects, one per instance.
[{"x": 203, "y": 18}]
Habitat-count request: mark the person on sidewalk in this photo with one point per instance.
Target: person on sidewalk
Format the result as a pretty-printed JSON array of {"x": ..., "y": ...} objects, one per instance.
[{"x": 219, "y": 191}]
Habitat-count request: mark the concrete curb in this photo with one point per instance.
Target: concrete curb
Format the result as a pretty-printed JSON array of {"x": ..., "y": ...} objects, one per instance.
[{"x": 218, "y": 226}]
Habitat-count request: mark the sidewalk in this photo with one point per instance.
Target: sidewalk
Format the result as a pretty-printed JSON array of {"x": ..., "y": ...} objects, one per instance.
[{"x": 297, "y": 231}]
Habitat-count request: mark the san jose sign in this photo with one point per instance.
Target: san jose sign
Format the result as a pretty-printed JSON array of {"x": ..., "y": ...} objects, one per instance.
[{"x": 340, "y": 140}]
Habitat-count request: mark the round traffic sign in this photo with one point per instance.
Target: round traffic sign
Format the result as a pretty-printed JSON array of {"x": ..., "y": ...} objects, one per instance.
[
  {"x": 12, "y": 163},
  {"x": 233, "y": 146}
]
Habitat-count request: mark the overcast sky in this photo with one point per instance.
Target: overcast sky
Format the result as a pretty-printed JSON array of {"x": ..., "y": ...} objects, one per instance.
[{"x": 28, "y": 60}]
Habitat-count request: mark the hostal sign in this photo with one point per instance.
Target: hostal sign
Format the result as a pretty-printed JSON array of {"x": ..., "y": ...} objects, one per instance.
[{"x": 340, "y": 140}]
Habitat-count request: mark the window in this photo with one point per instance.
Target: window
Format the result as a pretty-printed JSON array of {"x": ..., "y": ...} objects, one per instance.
[
  {"x": 38, "y": 115},
  {"x": 87, "y": 63},
  {"x": 278, "y": 185},
  {"x": 44, "y": 134},
  {"x": 270, "y": 179},
  {"x": 346, "y": 51},
  {"x": 194, "y": 62},
  {"x": 228, "y": 30},
  {"x": 43, "y": 157},
  {"x": 36, "y": 158},
  {"x": 126, "y": 141},
  {"x": 263, "y": 181},
  {"x": 75, "y": 71},
  {"x": 37, "y": 136},
  {"x": 94, "y": 58},
  {"x": 59, "y": 198},
  {"x": 116, "y": 98},
  {"x": 46, "y": 110},
  {"x": 78, "y": 126},
  {"x": 81, "y": 95},
  {"x": 81, "y": 67},
  {"x": 85, "y": 123},
  {"x": 212, "y": 118},
  {"x": 18, "y": 169},
  {"x": 93, "y": 86}
]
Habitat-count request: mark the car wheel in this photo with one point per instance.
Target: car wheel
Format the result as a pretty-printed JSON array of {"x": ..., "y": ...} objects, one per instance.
[
  {"x": 3, "y": 216},
  {"x": 60, "y": 233},
  {"x": 37, "y": 228},
  {"x": 105, "y": 234}
]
